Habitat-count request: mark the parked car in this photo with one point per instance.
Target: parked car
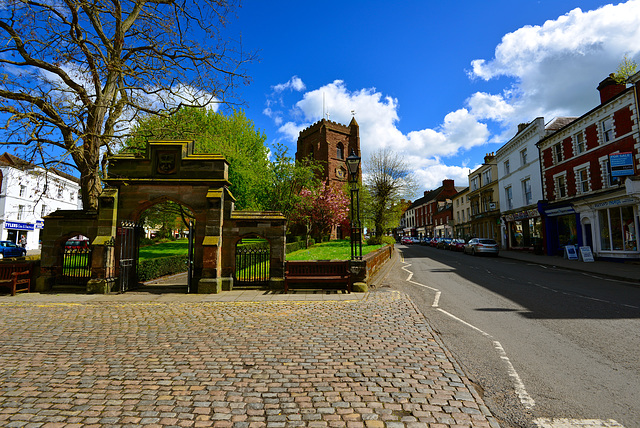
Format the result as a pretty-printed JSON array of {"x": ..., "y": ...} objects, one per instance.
[
  {"x": 415, "y": 241},
  {"x": 434, "y": 242},
  {"x": 425, "y": 241},
  {"x": 406, "y": 240},
  {"x": 10, "y": 249},
  {"x": 457, "y": 244},
  {"x": 479, "y": 246},
  {"x": 76, "y": 244},
  {"x": 443, "y": 244}
]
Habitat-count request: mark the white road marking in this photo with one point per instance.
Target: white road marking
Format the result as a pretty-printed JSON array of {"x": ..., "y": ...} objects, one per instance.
[
  {"x": 524, "y": 397},
  {"x": 576, "y": 423}
]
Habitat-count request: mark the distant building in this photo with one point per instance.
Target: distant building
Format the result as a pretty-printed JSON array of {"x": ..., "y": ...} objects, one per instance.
[
  {"x": 520, "y": 187},
  {"x": 484, "y": 200},
  {"x": 589, "y": 174},
  {"x": 27, "y": 194},
  {"x": 419, "y": 219},
  {"x": 461, "y": 214}
]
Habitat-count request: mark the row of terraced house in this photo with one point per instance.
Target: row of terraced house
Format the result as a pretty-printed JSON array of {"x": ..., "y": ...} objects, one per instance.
[{"x": 571, "y": 181}]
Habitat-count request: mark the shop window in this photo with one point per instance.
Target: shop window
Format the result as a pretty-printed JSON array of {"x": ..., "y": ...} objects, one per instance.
[
  {"x": 558, "y": 155},
  {"x": 582, "y": 180},
  {"x": 607, "y": 129},
  {"x": 618, "y": 229},
  {"x": 579, "y": 143}
]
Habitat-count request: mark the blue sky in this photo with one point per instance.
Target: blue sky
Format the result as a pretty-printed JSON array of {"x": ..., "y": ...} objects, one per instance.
[{"x": 442, "y": 82}]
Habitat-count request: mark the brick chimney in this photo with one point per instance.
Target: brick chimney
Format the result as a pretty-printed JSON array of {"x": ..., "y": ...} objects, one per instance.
[
  {"x": 609, "y": 88},
  {"x": 488, "y": 158},
  {"x": 448, "y": 184}
]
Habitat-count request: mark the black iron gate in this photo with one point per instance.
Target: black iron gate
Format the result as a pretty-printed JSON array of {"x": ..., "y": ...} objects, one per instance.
[
  {"x": 76, "y": 266},
  {"x": 252, "y": 266},
  {"x": 128, "y": 234}
]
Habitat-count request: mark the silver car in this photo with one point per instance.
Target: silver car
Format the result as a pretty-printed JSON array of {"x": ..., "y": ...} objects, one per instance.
[{"x": 479, "y": 246}]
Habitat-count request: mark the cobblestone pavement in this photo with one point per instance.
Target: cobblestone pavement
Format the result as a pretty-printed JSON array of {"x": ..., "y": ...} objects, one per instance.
[{"x": 372, "y": 362}]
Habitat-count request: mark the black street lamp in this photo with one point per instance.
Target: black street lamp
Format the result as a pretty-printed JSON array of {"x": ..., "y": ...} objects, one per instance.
[{"x": 353, "y": 165}]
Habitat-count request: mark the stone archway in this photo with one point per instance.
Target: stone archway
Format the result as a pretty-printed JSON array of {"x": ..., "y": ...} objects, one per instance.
[{"x": 169, "y": 170}]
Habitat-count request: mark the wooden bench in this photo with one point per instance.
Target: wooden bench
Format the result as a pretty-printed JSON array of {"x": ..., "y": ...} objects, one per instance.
[
  {"x": 317, "y": 271},
  {"x": 15, "y": 277}
]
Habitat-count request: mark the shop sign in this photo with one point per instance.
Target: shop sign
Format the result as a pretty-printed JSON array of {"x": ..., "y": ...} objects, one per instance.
[
  {"x": 614, "y": 203},
  {"x": 522, "y": 215},
  {"x": 585, "y": 254},
  {"x": 560, "y": 211},
  {"x": 570, "y": 252},
  {"x": 39, "y": 224},
  {"x": 16, "y": 225},
  {"x": 621, "y": 164}
]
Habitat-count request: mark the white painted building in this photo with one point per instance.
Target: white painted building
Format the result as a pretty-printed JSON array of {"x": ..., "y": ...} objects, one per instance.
[
  {"x": 520, "y": 187},
  {"x": 27, "y": 194}
]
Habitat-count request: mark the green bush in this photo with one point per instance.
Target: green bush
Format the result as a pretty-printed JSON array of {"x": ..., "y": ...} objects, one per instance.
[
  {"x": 381, "y": 240},
  {"x": 154, "y": 268},
  {"x": 295, "y": 246}
]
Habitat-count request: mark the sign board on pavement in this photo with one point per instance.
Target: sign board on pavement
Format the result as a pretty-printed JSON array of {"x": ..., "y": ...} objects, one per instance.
[
  {"x": 585, "y": 254},
  {"x": 570, "y": 252}
]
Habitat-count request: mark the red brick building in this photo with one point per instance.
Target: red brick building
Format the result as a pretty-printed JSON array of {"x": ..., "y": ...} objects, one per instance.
[{"x": 585, "y": 169}]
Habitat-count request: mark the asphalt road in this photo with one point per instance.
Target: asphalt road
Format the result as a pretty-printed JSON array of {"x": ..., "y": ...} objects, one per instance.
[{"x": 544, "y": 346}]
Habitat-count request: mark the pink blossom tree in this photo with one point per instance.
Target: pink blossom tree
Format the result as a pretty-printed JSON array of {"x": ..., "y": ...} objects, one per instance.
[{"x": 319, "y": 210}]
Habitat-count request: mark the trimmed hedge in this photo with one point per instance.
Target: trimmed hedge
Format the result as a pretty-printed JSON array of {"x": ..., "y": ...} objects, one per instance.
[
  {"x": 154, "y": 268},
  {"x": 381, "y": 240},
  {"x": 298, "y": 245}
]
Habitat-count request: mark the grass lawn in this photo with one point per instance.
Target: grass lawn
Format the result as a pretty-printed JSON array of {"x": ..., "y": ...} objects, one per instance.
[
  {"x": 174, "y": 248},
  {"x": 333, "y": 250}
]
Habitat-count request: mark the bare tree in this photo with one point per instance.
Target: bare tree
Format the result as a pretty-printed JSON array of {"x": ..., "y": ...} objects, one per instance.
[
  {"x": 77, "y": 73},
  {"x": 388, "y": 179}
]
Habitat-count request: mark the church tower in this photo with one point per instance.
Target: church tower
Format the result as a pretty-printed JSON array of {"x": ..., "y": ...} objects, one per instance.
[{"x": 330, "y": 143}]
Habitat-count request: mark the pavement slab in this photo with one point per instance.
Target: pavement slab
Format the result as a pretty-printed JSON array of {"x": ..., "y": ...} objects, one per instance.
[{"x": 371, "y": 362}]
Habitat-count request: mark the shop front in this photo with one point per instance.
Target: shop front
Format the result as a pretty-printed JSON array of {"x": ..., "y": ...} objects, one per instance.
[
  {"x": 611, "y": 227},
  {"x": 523, "y": 230},
  {"x": 561, "y": 227}
]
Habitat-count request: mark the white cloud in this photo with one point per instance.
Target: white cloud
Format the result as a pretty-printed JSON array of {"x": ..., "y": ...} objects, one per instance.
[
  {"x": 556, "y": 66},
  {"x": 295, "y": 84},
  {"x": 552, "y": 70}
]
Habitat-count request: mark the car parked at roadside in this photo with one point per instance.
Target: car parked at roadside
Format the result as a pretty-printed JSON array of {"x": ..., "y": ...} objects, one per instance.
[
  {"x": 457, "y": 244},
  {"x": 76, "y": 244},
  {"x": 443, "y": 243},
  {"x": 10, "y": 249},
  {"x": 480, "y": 246}
]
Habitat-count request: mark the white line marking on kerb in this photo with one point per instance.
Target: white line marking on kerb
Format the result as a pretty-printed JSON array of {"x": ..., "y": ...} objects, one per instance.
[{"x": 521, "y": 392}]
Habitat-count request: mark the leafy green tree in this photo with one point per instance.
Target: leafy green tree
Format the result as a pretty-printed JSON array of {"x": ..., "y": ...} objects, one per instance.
[
  {"x": 388, "y": 180},
  {"x": 166, "y": 217},
  {"x": 76, "y": 73},
  {"x": 287, "y": 178},
  {"x": 626, "y": 68},
  {"x": 234, "y": 136}
]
